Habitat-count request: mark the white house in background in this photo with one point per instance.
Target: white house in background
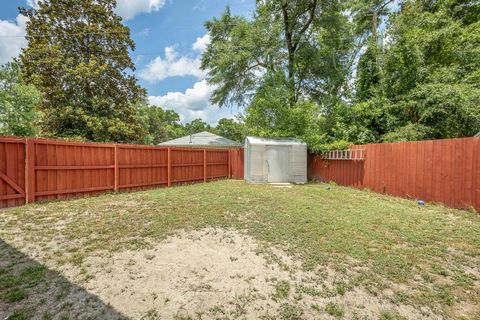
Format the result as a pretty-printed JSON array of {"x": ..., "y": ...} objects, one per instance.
[
  {"x": 275, "y": 160},
  {"x": 202, "y": 140}
]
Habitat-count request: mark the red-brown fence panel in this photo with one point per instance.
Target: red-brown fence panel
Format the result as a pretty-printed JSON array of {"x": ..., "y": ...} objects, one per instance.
[
  {"x": 236, "y": 163},
  {"x": 218, "y": 163},
  {"x": 446, "y": 171},
  {"x": 64, "y": 169},
  {"x": 187, "y": 165},
  {"x": 46, "y": 169},
  {"x": 141, "y": 167},
  {"x": 12, "y": 172}
]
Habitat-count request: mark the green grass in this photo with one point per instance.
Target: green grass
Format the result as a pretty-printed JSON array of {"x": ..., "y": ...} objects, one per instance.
[
  {"x": 334, "y": 309},
  {"x": 371, "y": 240},
  {"x": 282, "y": 289}
]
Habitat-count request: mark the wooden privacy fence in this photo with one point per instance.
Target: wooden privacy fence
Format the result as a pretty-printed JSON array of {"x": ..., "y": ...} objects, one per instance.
[
  {"x": 446, "y": 171},
  {"x": 44, "y": 169}
]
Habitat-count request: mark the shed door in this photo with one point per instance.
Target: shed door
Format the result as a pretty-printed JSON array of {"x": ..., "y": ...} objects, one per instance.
[{"x": 277, "y": 163}]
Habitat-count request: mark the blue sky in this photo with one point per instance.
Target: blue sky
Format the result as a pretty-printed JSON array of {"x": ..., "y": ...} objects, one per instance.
[{"x": 169, "y": 35}]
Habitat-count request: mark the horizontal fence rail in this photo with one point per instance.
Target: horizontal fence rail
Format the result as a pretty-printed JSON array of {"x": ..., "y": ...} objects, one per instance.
[
  {"x": 45, "y": 169},
  {"x": 445, "y": 171}
]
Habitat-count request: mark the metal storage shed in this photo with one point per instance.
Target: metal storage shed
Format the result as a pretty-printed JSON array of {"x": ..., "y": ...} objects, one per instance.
[{"x": 275, "y": 160}]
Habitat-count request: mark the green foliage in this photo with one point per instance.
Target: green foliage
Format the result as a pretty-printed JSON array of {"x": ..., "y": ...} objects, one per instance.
[
  {"x": 196, "y": 126},
  {"x": 432, "y": 70},
  {"x": 282, "y": 289},
  {"x": 18, "y": 102},
  {"x": 334, "y": 309},
  {"x": 78, "y": 57},
  {"x": 409, "y": 132},
  {"x": 368, "y": 73},
  {"x": 161, "y": 125},
  {"x": 231, "y": 129},
  {"x": 307, "y": 41}
]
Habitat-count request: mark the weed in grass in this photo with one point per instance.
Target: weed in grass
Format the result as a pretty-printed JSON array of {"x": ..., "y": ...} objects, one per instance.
[
  {"x": 77, "y": 259},
  {"x": 31, "y": 276},
  {"x": 290, "y": 312},
  {"x": 217, "y": 310},
  {"x": 400, "y": 298},
  {"x": 282, "y": 289},
  {"x": 16, "y": 294},
  {"x": 151, "y": 314},
  {"x": 308, "y": 290},
  {"x": 388, "y": 315},
  {"x": 341, "y": 288},
  {"x": 334, "y": 309},
  {"x": 315, "y": 307},
  {"x": 436, "y": 268},
  {"x": 240, "y": 303},
  {"x": 47, "y": 316},
  {"x": 445, "y": 294},
  {"x": 20, "y": 314},
  {"x": 463, "y": 279}
]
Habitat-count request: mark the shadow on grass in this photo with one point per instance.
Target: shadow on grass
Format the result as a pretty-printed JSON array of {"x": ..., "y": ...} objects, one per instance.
[{"x": 29, "y": 290}]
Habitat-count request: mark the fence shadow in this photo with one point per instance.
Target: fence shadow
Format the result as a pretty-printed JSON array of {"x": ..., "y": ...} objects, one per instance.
[{"x": 29, "y": 290}]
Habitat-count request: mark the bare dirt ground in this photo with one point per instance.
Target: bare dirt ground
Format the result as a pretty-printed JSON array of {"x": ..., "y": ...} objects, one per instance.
[{"x": 206, "y": 274}]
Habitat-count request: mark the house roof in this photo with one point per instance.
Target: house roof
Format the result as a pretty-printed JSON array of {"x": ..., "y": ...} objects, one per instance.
[
  {"x": 202, "y": 139},
  {"x": 277, "y": 141}
]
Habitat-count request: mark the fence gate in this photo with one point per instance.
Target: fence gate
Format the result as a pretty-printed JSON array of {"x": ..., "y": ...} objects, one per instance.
[{"x": 12, "y": 172}]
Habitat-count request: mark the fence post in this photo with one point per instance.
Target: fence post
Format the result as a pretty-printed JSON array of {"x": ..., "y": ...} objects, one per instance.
[
  {"x": 169, "y": 167},
  {"x": 229, "y": 163},
  {"x": 30, "y": 171},
  {"x": 204, "y": 165},
  {"x": 117, "y": 169}
]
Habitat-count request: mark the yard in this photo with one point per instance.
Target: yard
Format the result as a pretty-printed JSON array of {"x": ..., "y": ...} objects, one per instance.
[{"x": 229, "y": 250}]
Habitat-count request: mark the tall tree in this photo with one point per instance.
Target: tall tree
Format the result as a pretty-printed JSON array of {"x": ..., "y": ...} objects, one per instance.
[
  {"x": 18, "y": 103},
  {"x": 161, "y": 125},
  {"x": 231, "y": 129},
  {"x": 196, "y": 126},
  {"x": 432, "y": 68},
  {"x": 78, "y": 57},
  {"x": 290, "y": 37}
]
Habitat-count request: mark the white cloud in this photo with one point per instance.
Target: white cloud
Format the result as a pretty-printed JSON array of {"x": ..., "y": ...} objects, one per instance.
[
  {"x": 193, "y": 103},
  {"x": 172, "y": 65},
  {"x": 33, "y": 3},
  {"x": 128, "y": 9},
  {"x": 12, "y": 38},
  {"x": 201, "y": 43}
]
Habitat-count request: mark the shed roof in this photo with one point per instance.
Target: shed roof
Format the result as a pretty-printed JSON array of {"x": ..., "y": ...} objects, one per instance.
[
  {"x": 275, "y": 141},
  {"x": 202, "y": 139}
]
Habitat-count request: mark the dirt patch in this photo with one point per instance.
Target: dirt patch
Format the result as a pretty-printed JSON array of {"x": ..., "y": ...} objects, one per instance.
[{"x": 215, "y": 273}]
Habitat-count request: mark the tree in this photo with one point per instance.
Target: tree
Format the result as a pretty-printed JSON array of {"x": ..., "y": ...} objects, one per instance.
[
  {"x": 432, "y": 68},
  {"x": 78, "y": 57},
  {"x": 18, "y": 102},
  {"x": 231, "y": 129},
  {"x": 368, "y": 73},
  {"x": 308, "y": 41},
  {"x": 161, "y": 125},
  {"x": 196, "y": 126}
]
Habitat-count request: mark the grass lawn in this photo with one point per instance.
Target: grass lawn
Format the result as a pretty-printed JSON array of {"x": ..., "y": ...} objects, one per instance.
[{"x": 312, "y": 251}]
